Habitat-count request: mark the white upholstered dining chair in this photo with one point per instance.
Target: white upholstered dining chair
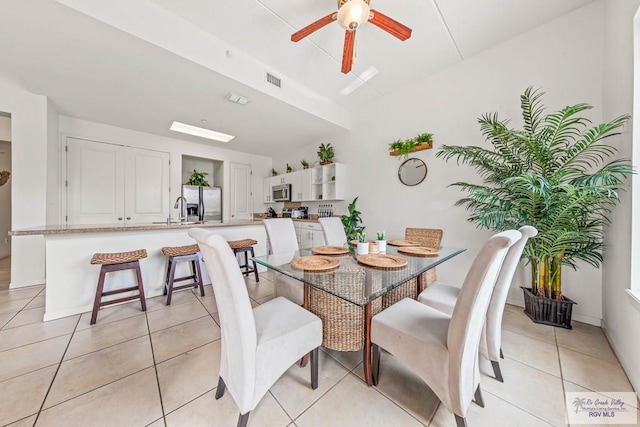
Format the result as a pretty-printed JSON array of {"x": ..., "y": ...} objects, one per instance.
[
  {"x": 260, "y": 344},
  {"x": 282, "y": 239},
  {"x": 333, "y": 231},
  {"x": 442, "y": 349},
  {"x": 443, "y": 297}
]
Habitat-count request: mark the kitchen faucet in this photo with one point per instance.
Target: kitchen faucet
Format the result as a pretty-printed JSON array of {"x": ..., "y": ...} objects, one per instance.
[{"x": 183, "y": 208}]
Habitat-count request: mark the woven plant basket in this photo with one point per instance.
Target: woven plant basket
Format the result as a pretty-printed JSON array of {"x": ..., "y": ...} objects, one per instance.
[
  {"x": 548, "y": 311},
  {"x": 427, "y": 237}
]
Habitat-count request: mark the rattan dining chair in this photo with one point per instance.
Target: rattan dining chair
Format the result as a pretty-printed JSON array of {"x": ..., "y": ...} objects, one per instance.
[
  {"x": 282, "y": 238},
  {"x": 427, "y": 237},
  {"x": 259, "y": 344},
  {"x": 443, "y": 297},
  {"x": 442, "y": 349},
  {"x": 333, "y": 231}
]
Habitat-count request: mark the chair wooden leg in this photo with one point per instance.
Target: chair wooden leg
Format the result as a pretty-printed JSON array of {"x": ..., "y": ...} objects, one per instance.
[
  {"x": 375, "y": 349},
  {"x": 496, "y": 371},
  {"x": 143, "y": 301},
  {"x": 98, "y": 298},
  {"x": 314, "y": 368},
  {"x": 243, "y": 419},
  {"x": 477, "y": 397},
  {"x": 221, "y": 388},
  {"x": 461, "y": 422}
]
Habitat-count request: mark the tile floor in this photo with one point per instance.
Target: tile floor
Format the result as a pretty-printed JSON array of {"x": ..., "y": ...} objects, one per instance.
[{"x": 160, "y": 368}]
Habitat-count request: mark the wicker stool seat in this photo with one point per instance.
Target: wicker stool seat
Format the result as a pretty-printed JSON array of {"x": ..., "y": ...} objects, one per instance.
[
  {"x": 177, "y": 254},
  {"x": 117, "y": 261},
  {"x": 118, "y": 257},
  {"x": 245, "y": 246},
  {"x": 180, "y": 250}
]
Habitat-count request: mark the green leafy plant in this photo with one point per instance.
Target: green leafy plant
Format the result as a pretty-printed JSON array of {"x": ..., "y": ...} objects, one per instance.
[
  {"x": 362, "y": 237},
  {"x": 289, "y": 168},
  {"x": 552, "y": 175},
  {"x": 405, "y": 147},
  {"x": 325, "y": 153},
  {"x": 304, "y": 163},
  {"x": 198, "y": 178},
  {"x": 380, "y": 235},
  {"x": 274, "y": 172},
  {"x": 352, "y": 222}
]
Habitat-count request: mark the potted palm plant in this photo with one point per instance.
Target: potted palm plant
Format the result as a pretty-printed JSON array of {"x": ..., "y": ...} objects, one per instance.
[
  {"x": 554, "y": 174},
  {"x": 325, "y": 154}
]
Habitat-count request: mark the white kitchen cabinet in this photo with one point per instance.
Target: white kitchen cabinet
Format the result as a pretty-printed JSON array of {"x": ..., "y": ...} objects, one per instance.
[
  {"x": 320, "y": 183},
  {"x": 309, "y": 234},
  {"x": 108, "y": 183},
  {"x": 266, "y": 190}
]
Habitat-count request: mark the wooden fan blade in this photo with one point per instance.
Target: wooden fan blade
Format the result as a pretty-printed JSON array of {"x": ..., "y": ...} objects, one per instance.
[
  {"x": 391, "y": 26},
  {"x": 347, "y": 53},
  {"x": 299, "y": 35}
]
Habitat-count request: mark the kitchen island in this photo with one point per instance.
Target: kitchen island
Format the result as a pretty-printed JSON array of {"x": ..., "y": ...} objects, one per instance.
[{"x": 71, "y": 280}]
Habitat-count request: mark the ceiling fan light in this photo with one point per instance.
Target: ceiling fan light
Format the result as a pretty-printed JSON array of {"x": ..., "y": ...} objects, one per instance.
[{"x": 353, "y": 14}]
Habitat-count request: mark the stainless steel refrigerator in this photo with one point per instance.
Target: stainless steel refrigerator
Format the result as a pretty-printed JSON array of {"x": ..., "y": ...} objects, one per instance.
[{"x": 203, "y": 203}]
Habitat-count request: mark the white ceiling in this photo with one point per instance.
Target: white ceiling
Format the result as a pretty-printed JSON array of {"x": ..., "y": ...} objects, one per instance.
[{"x": 140, "y": 64}]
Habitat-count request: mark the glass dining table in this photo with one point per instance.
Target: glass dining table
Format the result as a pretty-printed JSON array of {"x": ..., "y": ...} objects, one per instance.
[{"x": 355, "y": 286}]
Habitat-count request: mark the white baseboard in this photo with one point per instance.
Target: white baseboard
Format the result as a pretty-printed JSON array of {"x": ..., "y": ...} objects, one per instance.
[{"x": 14, "y": 285}]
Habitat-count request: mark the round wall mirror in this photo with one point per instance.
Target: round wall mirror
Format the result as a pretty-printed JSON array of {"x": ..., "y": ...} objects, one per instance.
[{"x": 412, "y": 172}]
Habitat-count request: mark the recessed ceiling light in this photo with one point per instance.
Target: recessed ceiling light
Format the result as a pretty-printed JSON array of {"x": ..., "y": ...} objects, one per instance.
[{"x": 201, "y": 132}]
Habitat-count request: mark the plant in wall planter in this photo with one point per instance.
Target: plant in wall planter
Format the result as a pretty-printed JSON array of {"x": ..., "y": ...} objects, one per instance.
[
  {"x": 403, "y": 148},
  {"x": 304, "y": 163},
  {"x": 554, "y": 174},
  {"x": 198, "y": 178},
  {"x": 325, "y": 154}
]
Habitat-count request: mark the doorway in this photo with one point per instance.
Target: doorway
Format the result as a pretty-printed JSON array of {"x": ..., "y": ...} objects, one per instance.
[{"x": 5, "y": 200}]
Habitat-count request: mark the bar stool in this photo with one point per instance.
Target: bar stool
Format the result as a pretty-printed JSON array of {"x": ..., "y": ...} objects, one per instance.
[
  {"x": 116, "y": 261},
  {"x": 245, "y": 246},
  {"x": 178, "y": 254}
]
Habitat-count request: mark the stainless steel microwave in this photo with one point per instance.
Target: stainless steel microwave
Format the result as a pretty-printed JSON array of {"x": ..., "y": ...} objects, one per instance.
[{"x": 281, "y": 193}]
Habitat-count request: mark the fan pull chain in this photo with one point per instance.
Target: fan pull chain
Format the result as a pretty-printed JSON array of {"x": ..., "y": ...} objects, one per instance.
[{"x": 355, "y": 51}]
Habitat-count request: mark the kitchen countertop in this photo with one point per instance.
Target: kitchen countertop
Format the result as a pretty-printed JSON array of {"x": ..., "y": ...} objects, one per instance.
[{"x": 107, "y": 228}]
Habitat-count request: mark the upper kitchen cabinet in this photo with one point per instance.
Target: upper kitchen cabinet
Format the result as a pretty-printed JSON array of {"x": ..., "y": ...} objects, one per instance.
[
  {"x": 320, "y": 183},
  {"x": 108, "y": 183}
]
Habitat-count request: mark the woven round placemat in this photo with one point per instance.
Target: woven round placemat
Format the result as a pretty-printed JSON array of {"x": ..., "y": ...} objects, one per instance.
[
  {"x": 383, "y": 261},
  {"x": 315, "y": 263},
  {"x": 330, "y": 250},
  {"x": 420, "y": 251},
  {"x": 403, "y": 243}
]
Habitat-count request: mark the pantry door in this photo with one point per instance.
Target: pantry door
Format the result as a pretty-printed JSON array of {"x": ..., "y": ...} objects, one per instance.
[{"x": 241, "y": 184}]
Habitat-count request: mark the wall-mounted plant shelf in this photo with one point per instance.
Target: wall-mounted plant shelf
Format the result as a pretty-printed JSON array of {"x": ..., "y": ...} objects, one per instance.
[{"x": 419, "y": 147}]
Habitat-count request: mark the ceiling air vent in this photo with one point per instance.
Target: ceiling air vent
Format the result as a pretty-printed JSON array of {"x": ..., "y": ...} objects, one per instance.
[{"x": 273, "y": 80}]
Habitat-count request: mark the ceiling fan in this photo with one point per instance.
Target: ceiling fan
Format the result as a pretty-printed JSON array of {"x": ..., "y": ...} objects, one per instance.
[{"x": 351, "y": 15}]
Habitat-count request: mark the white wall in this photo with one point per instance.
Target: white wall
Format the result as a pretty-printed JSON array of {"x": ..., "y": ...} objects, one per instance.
[
  {"x": 620, "y": 319},
  {"x": 563, "y": 58},
  {"x": 176, "y": 148},
  {"x": 5, "y": 190},
  {"x": 28, "y": 179}
]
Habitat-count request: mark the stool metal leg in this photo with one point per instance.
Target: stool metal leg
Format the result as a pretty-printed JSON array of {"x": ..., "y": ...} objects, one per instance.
[
  {"x": 197, "y": 275},
  {"x": 96, "y": 301},
  {"x": 143, "y": 301},
  {"x": 172, "y": 274},
  {"x": 255, "y": 269}
]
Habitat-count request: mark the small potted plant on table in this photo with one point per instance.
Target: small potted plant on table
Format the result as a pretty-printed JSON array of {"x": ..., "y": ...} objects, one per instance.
[{"x": 382, "y": 243}]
